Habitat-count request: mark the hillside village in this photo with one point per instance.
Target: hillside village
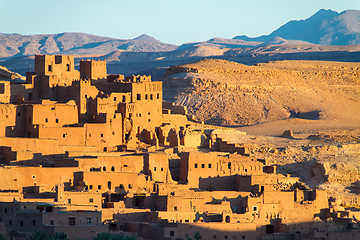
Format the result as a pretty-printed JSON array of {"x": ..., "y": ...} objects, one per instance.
[{"x": 84, "y": 152}]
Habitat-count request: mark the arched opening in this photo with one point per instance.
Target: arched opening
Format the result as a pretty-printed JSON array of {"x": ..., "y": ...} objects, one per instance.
[
  {"x": 68, "y": 67},
  {"x": 227, "y": 219},
  {"x": 104, "y": 168},
  {"x": 109, "y": 185},
  {"x": 113, "y": 169}
]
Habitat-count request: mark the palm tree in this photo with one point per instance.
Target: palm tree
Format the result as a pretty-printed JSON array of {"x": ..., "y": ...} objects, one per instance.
[
  {"x": 2, "y": 237},
  {"x": 39, "y": 235},
  {"x": 59, "y": 236},
  {"x": 109, "y": 236},
  {"x": 197, "y": 235}
]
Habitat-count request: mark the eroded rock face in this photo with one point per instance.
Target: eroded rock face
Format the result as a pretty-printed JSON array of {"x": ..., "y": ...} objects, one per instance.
[{"x": 227, "y": 93}]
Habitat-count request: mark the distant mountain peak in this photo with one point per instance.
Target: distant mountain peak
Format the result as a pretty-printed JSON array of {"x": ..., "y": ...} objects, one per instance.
[
  {"x": 146, "y": 38},
  {"x": 325, "y": 27}
]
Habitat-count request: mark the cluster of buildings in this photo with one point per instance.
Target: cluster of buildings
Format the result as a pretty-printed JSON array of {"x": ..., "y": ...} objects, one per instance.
[{"x": 84, "y": 152}]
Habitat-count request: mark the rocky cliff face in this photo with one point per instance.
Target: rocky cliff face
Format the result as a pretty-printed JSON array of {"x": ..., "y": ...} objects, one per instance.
[{"x": 227, "y": 93}]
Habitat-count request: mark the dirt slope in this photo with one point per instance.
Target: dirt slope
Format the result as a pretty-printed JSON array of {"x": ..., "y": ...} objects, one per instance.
[{"x": 227, "y": 93}]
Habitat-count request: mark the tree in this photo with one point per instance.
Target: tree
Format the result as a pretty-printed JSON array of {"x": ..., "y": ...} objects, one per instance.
[
  {"x": 39, "y": 235},
  {"x": 197, "y": 235},
  {"x": 109, "y": 236},
  {"x": 2, "y": 237}
]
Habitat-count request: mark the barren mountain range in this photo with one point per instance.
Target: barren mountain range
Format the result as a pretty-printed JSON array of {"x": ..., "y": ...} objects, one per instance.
[{"x": 327, "y": 35}]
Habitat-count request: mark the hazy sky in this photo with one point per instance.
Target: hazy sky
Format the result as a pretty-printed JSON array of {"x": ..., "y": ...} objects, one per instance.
[{"x": 169, "y": 21}]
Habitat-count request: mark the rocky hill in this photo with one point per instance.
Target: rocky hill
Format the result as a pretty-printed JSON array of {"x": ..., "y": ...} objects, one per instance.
[
  {"x": 325, "y": 27},
  {"x": 227, "y": 93},
  {"x": 75, "y": 43},
  {"x": 5, "y": 74}
]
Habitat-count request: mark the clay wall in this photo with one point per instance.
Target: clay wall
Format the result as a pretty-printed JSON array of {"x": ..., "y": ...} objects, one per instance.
[
  {"x": 11, "y": 120},
  {"x": 30, "y": 146},
  {"x": 123, "y": 163},
  {"x": 111, "y": 181},
  {"x": 93, "y": 70},
  {"x": 52, "y": 114},
  {"x": 89, "y": 201},
  {"x": 59, "y": 65},
  {"x": 5, "y": 92},
  {"x": 218, "y": 231},
  {"x": 157, "y": 166},
  {"x": 18, "y": 177},
  {"x": 195, "y": 165}
]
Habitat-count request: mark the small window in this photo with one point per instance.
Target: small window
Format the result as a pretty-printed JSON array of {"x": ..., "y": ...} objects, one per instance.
[
  {"x": 33, "y": 176},
  {"x": 104, "y": 169},
  {"x": 209, "y": 165},
  {"x": 64, "y": 135},
  {"x": 49, "y": 68},
  {"x": 202, "y": 165},
  {"x": 121, "y": 186},
  {"x": 68, "y": 67},
  {"x": 91, "y": 200},
  {"x": 123, "y": 99},
  {"x": 130, "y": 186},
  {"x": 102, "y": 135},
  {"x": 195, "y": 165},
  {"x": 33, "y": 222},
  {"x": 21, "y": 223},
  {"x": 157, "y": 96},
  {"x": 172, "y": 233},
  {"x": 71, "y": 221},
  {"x": 46, "y": 120},
  {"x": 146, "y": 97},
  {"x": 113, "y": 133},
  {"x": 113, "y": 169},
  {"x": 138, "y": 97},
  {"x": 255, "y": 208},
  {"x": 162, "y": 169},
  {"x": 51, "y": 222},
  {"x": 18, "y": 114},
  {"x": 91, "y": 186},
  {"x": 99, "y": 187},
  {"x": 151, "y": 97},
  {"x": 57, "y": 120},
  {"x": 130, "y": 115},
  {"x": 175, "y": 208},
  {"x": 154, "y": 169},
  {"x": 187, "y": 220},
  {"x": 88, "y": 221},
  {"x": 69, "y": 201}
]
